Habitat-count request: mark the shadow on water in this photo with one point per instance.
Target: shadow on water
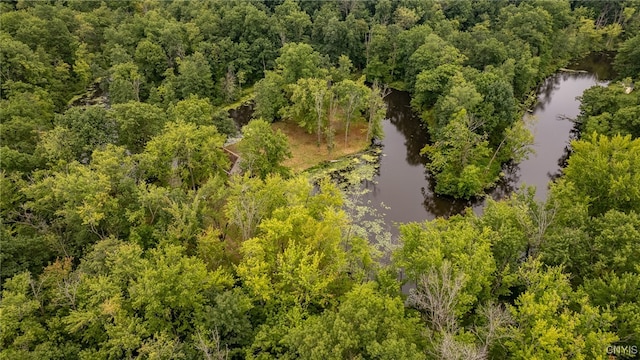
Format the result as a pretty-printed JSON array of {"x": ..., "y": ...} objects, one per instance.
[
  {"x": 407, "y": 123},
  {"x": 407, "y": 188},
  {"x": 443, "y": 206},
  {"x": 553, "y": 129},
  {"x": 599, "y": 64},
  {"x": 563, "y": 160},
  {"x": 242, "y": 114}
]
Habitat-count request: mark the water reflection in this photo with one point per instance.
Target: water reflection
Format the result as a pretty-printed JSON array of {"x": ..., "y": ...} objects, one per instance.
[
  {"x": 444, "y": 206},
  {"x": 407, "y": 188},
  {"x": 242, "y": 114},
  {"x": 408, "y": 124},
  {"x": 509, "y": 182},
  {"x": 598, "y": 64},
  {"x": 553, "y": 130}
]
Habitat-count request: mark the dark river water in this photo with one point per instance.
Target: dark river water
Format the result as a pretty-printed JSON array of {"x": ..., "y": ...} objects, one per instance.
[
  {"x": 405, "y": 187},
  {"x": 553, "y": 132}
]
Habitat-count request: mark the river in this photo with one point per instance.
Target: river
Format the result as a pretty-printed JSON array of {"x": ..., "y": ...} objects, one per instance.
[{"x": 405, "y": 187}]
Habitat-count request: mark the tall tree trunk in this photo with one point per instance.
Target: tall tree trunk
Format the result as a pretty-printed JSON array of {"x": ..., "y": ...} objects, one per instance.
[
  {"x": 319, "y": 97},
  {"x": 346, "y": 131}
]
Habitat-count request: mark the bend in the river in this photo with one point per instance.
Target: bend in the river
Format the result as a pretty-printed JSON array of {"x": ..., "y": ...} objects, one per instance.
[{"x": 405, "y": 187}]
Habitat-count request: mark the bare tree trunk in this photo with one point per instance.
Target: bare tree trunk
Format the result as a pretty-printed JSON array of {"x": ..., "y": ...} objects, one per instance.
[
  {"x": 349, "y": 114},
  {"x": 452, "y": 349},
  {"x": 319, "y": 97},
  {"x": 497, "y": 318},
  {"x": 494, "y": 155},
  {"x": 229, "y": 85},
  {"x": 394, "y": 55},
  {"x": 283, "y": 38},
  {"x": 330, "y": 134},
  {"x": 436, "y": 296},
  {"x": 540, "y": 218},
  {"x": 69, "y": 288},
  {"x": 211, "y": 348}
]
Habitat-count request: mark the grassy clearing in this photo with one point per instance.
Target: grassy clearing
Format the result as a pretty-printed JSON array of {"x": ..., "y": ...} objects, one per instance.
[{"x": 305, "y": 151}]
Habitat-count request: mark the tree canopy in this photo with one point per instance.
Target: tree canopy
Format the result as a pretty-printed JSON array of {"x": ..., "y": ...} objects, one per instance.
[{"x": 124, "y": 235}]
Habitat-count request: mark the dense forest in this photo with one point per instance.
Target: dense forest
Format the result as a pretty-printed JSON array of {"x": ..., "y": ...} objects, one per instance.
[{"x": 126, "y": 234}]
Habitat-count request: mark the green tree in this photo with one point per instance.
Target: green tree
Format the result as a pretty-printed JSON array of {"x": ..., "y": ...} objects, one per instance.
[
  {"x": 137, "y": 123},
  {"x": 23, "y": 247},
  {"x": 589, "y": 247},
  {"x": 605, "y": 172},
  {"x": 263, "y": 150},
  {"x": 527, "y": 72},
  {"x": 309, "y": 102},
  {"x": 201, "y": 112},
  {"x": 381, "y": 50},
  {"x": 251, "y": 200},
  {"x": 151, "y": 59},
  {"x": 21, "y": 330},
  {"x": 617, "y": 291},
  {"x": 461, "y": 95},
  {"x": 431, "y": 84},
  {"x": 223, "y": 122},
  {"x": 194, "y": 76},
  {"x": 615, "y": 243},
  {"x": 628, "y": 57},
  {"x": 367, "y": 324},
  {"x": 459, "y": 159},
  {"x": 297, "y": 257},
  {"x": 24, "y": 114},
  {"x": 78, "y": 202},
  {"x": 20, "y": 63},
  {"x": 531, "y": 24},
  {"x": 185, "y": 155},
  {"x": 498, "y": 107},
  {"x": 352, "y": 96},
  {"x": 488, "y": 52},
  {"x": 87, "y": 129},
  {"x": 171, "y": 292},
  {"x": 547, "y": 326},
  {"x": 343, "y": 70},
  {"x": 193, "y": 109},
  {"x": 434, "y": 52},
  {"x": 509, "y": 221},
  {"x": 610, "y": 111},
  {"x": 516, "y": 143},
  {"x": 376, "y": 111},
  {"x": 298, "y": 60},
  {"x": 429, "y": 245},
  {"x": 291, "y": 23},
  {"x": 125, "y": 83},
  {"x": 269, "y": 96},
  {"x": 57, "y": 147}
]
